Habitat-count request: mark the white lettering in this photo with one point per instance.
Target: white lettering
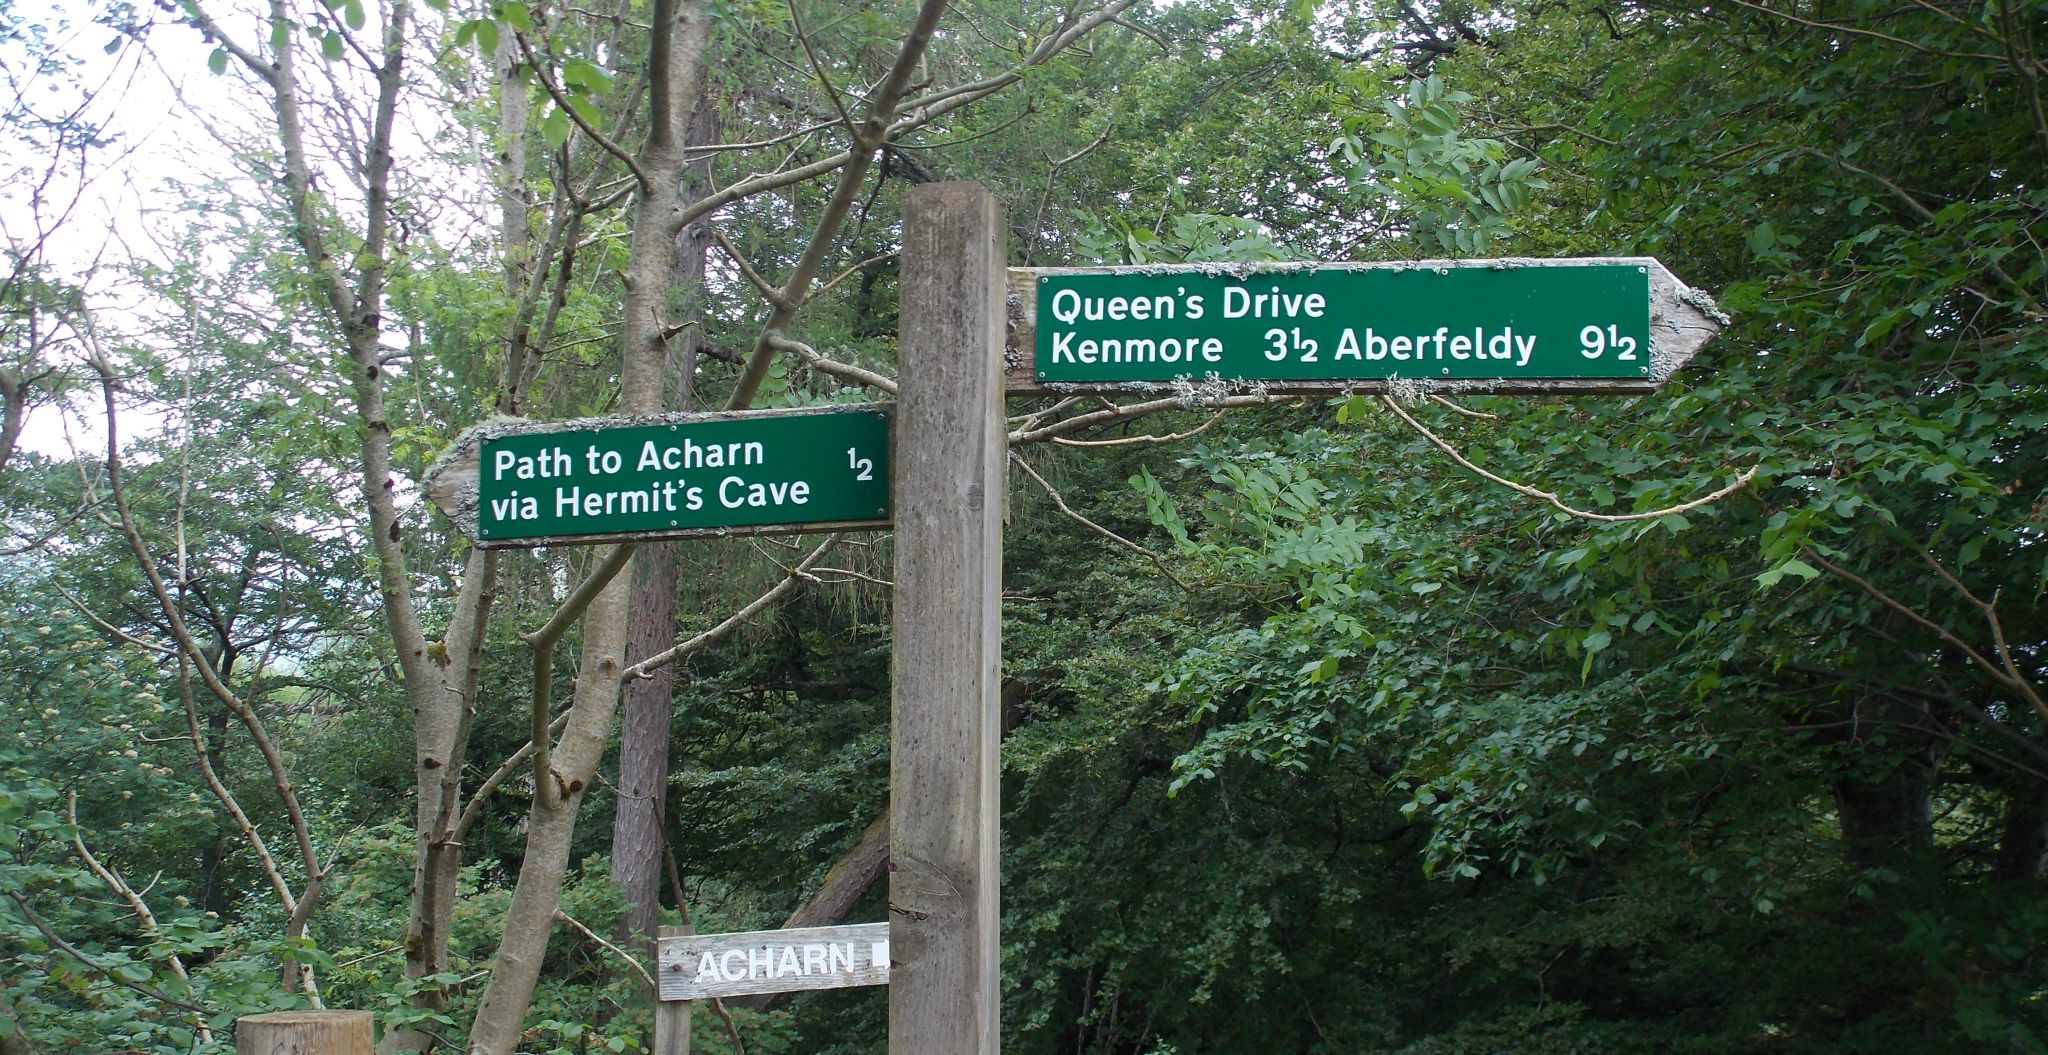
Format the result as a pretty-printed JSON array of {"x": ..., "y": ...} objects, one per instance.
[{"x": 1066, "y": 306}]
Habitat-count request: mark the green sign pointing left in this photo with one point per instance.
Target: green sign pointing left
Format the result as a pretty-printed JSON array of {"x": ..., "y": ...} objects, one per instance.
[{"x": 674, "y": 476}]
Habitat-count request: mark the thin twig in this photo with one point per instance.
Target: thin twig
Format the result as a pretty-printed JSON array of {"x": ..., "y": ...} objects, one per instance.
[
  {"x": 850, "y": 272},
  {"x": 2006, "y": 673},
  {"x": 817, "y": 575},
  {"x": 116, "y": 632},
  {"x": 603, "y": 141},
  {"x": 803, "y": 37},
  {"x": 766, "y": 288},
  {"x": 512, "y": 764},
  {"x": 1148, "y": 438},
  {"x": 1057, "y": 500},
  {"x": 1551, "y": 497},
  {"x": 70, "y": 950},
  {"x": 128, "y": 894},
  {"x": 1837, "y": 27},
  {"x": 1467, "y": 411},
  {"x": 1117, "y": 414},
  {"x": 718, "y": 633},
  {"x": 622, "y": 954}
]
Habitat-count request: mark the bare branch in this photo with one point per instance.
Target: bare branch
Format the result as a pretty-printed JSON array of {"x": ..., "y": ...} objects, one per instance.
[
  {"x": 803, "y": 38},
  {"x": 737, "y": 619},
  {"x": 872, "y": 133},
  {"x": 622, "y": 954},
  {"x": 1131, "y": 411},
  {"x": 1837, "y": 27},
  {"x": 1467, "y": 411},
  {"x": 1061, "y": 502},
  {"x": 542, "y": 642},
  {"x": 848, "y": 371},
  {"x": 512, "y": 764},
  {"x": 1122, "y": 441},
  {"x": 68, "y": 949},
  {"x": 189, "y": 652},
  {"x": 554, "y": 91},
  {"x": 2005, "y": 672},
  {"x": 766, "y": 288},
  {"x": 1741, "y": 481},
  {"x": 116, "y": 632}
]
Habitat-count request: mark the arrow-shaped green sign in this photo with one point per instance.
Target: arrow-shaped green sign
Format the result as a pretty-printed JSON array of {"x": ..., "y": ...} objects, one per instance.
[{"x": 675, "y": 476}]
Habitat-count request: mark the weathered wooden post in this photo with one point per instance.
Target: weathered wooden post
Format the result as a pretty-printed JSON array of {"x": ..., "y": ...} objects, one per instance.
[
  {"x": 950, "y": 470},
  {"x": 671, "y": 1017},
  {"x": 305, "y": 1033}
]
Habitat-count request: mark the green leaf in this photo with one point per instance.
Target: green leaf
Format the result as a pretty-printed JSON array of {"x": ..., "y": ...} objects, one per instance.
[
  {"x": 1762, "y": 238},
  {"x": 514, "y": 14},
  {"x": 1795, "y": 566},
  {"x": 331, "y": 46},
  {"x": 581, "y": 105},
  {"x": 218, "y": 61},
  {"x": 554, "y": 128},
  {"x": 586, "y": 76},
  {"x": 352, "y": 13}
]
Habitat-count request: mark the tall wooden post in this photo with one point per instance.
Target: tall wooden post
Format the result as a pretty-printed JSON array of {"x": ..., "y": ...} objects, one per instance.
[
  {"x": 950, "y": 461},
  {"x": 305, "y": 1033},
  {"x": 671, "y": 1017}
]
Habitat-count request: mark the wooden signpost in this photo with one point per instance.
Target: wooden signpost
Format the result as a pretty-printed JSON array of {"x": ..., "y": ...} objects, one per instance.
[{"x": 934, "y": 465}]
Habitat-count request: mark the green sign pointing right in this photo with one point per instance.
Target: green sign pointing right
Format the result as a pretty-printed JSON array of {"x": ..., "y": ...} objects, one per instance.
[{"x": 1473, "y": 325}]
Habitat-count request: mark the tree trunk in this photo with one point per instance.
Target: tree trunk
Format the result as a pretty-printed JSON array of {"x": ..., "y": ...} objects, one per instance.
[
  {"x": 637, "y": 824},
  {"x": 676, "y": 68},
  {"x": 638, "y": 837},
  {"x": 2023, "y": 846},
  {"x": 1885, "y": 800}
]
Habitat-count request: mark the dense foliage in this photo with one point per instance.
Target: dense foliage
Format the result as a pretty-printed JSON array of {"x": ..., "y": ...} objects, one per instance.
[{"x": 1338, "y": 747}]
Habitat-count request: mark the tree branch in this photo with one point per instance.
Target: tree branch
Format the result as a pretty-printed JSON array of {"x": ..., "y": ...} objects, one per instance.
[
  {"x": 1742, "y": 480},
  {"x": 737, "y": 619},
  {"x": 1057, "y": 500}
]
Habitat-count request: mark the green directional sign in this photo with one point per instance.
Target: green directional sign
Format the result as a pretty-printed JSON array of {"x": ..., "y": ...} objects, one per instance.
[
  {"x": 674, "y": 476},
  {"x": 1496, "y": 324}
]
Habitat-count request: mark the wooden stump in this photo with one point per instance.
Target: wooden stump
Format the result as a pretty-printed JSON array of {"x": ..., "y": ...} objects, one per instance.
[{"x": 305, "y": 1033}]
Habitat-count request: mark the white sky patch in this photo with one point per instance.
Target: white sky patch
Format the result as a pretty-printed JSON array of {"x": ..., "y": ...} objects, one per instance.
[{"x": 172, "y": 129}]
